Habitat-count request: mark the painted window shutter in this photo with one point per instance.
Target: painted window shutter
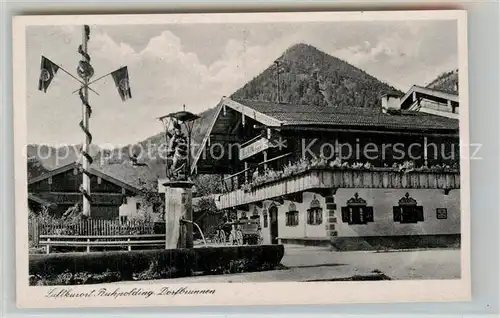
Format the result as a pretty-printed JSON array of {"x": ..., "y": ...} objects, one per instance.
[
  {"x": 420, "y": 213},
  {"x": 369, "y": 213},
  {"x": 319, "y": 216},
  {"x": 345, "y": 214},
  {"x": 396, "y": 210}
]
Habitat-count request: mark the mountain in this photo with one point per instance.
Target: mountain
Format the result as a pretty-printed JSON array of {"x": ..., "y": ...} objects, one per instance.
[
  {"x": 310, "y": 76},
  {"x": 51, "y": 157},
  {"x": 152, "y": 150},
  {"x": 446, "y": 82}
]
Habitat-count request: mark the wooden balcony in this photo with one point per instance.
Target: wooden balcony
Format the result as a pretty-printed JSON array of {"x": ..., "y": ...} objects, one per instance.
[{"x": 315, "y": 179}]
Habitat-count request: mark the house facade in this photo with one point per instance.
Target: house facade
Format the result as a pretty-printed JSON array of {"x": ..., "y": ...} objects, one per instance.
[
  {"x": 354, "y": 178},
  {"x": 112, "y": 199}
]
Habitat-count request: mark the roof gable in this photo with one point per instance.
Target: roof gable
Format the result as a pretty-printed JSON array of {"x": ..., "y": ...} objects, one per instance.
[{"x": 93, "y": 171}]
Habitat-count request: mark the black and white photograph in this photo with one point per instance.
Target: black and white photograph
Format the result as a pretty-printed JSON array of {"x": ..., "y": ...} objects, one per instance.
[{"x": 198, "y": 155}]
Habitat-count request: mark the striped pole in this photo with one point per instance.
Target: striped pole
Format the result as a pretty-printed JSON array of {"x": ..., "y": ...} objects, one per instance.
[{"x": 85, "y": 71}]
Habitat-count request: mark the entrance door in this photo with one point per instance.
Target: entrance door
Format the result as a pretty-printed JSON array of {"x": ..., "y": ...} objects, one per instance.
[{"x": 273, "y": 215}]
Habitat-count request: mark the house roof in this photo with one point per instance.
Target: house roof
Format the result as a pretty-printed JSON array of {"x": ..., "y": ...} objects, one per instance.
[
  {"x": 126, "y": 176},
  {"x": 295, "y": 114},
  {"x": 427, "y": 93}
]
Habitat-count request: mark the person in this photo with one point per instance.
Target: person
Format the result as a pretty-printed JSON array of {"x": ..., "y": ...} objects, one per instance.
[{"x": 177, "y": 151}]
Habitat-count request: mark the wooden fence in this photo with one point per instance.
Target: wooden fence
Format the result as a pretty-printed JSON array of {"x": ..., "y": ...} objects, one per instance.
[
  {"x": 37, "y": 228},
  {"x": 100, "y": 241}
]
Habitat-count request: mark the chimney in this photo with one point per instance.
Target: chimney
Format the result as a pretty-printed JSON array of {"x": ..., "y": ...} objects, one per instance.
[{"x": 390, "y": 102}]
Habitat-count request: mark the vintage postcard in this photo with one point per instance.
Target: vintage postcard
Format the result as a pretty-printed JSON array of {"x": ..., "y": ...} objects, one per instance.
[{"x": 241, "y": 159}]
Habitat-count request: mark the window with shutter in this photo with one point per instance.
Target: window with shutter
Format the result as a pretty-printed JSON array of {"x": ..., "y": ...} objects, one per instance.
[
  {"x": 357, "y": 211},
  {"x": 292, "y": 216},
  {"x": 408, "y": 211},
  {"x": 396, "y": 210},
  {"x": 315, "y": 213},
  {"x": 369, "y": 214},
  {"x": 319, "y": 216},
  {"x": 345, "y": 214},
  {"x": 420, "y": 213}
]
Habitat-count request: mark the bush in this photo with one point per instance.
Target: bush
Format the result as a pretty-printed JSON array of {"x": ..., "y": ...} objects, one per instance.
[{"x": 153, "y": 264}]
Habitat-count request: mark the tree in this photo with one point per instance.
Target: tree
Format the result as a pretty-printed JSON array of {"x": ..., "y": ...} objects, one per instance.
[
  {"x": 35, "y": 168},
  {"x": 207, "y": 184},
  {"x": 150, "y": 197},
  {"x": 206, "y": 205}
]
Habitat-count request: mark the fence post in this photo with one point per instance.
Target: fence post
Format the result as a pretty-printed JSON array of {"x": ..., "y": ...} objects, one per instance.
[
  {"x": 129, "y": 246},
  {"x": 48, "y": 246},
  {"x": 88, "y": 246},
  {"x": 36, "y": 231}
]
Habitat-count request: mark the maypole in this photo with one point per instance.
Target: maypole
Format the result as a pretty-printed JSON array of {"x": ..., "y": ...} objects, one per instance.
[
  {"x": 85, "y": 71},
  {"x": 48, "y": 70}
]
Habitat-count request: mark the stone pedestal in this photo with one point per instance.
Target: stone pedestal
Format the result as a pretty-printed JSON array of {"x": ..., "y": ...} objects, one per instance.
[{"x": 178, "y": 207}]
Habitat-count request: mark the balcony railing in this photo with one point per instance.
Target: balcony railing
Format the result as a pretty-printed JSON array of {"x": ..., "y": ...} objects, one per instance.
[{"x": 326, "y": 177}]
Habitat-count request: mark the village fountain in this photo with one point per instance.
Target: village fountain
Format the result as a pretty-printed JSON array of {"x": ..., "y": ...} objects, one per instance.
[{"x": 178, "y": 187}]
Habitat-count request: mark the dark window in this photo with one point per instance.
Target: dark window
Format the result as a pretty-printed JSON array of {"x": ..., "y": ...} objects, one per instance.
[
  {"x": 138, "y": 206},
  {"x": 356, "y": 211},
  {"x": 315, "y": 213},
  {"x": 441, "y": 213},
  {"x": 265, "y": 219},
  {"x": 292, "y": 216},
  {"x": 408, "y": 211},
  {"x": 123, "y": 218}
]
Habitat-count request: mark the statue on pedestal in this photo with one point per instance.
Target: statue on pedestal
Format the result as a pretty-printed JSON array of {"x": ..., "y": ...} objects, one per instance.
[
  {"x": 179, "y": 144},
  {"x": 177, "y": 154}
]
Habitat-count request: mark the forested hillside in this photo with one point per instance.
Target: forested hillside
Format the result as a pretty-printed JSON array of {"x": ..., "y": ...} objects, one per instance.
[
  {"x": 446, "y": 82},
  {"x": 309, "y": 76}
]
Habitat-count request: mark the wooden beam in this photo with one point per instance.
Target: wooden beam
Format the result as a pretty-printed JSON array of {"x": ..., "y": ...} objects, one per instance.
[
  {"x": 272, "y": 159},
  {"x": 232, "y": 131},
  {"x": 252, "y": 113},
  {"x": 244, "y": 207},
  {"x": 323, "y": 192},
  {"x": 279, "y": 200},
  {"x": 295, "y": 197}
]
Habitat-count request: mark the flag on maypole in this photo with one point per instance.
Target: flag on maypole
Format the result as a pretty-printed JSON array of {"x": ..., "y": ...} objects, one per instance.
[
  {"x": 120, "y": 76},
  {"x": 85, "y": 71},
  {"x": 48, "y": 70}
]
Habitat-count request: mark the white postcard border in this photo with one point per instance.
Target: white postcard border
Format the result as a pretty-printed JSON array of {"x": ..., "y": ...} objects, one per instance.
[{"x": 237, "y": 293}]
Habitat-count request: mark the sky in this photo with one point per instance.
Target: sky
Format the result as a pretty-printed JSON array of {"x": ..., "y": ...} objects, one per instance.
[{"x": 196, "y": 64}]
